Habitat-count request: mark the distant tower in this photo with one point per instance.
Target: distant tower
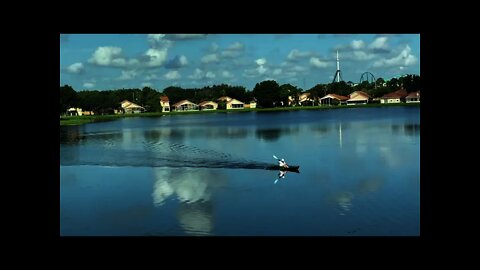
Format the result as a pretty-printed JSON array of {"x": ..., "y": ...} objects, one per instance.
[{"x": 337, "y": 73}]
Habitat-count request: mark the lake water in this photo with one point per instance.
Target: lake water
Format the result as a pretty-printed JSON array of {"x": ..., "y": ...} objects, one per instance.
[{"x": 204, "y": 174}]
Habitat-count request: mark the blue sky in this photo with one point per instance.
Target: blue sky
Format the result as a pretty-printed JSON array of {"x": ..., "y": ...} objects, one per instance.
[{"x": 114, "y": 61}]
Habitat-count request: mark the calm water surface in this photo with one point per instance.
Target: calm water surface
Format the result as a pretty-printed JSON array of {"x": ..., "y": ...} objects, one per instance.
[{"x": 204, "y": 174}]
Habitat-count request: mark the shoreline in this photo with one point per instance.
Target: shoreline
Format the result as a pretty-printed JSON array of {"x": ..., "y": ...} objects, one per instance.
[{"x": 86, "y": 119}]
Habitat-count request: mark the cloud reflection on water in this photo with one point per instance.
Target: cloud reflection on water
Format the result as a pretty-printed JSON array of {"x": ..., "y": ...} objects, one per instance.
[{"x": 193, "y": 188}]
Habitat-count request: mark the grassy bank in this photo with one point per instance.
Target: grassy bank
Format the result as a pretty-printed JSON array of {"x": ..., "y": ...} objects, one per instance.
[{"x": 79, "y": 120}]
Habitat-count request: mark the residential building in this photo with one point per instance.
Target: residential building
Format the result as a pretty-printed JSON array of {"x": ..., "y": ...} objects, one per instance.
[
  {"x": 208, "y": 105},
  {"x": 333, "y": 99},
  {"x": 394, "y": 97},
  {"x": 165, "y": 104},
  {"x": 185, "y": 105},
  {"x": 413, "y": 97},
  {"x": 358, "y": 97}
]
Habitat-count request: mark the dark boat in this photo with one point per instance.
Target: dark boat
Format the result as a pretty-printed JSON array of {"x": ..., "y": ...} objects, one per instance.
[{"x": 279, "y": 168}]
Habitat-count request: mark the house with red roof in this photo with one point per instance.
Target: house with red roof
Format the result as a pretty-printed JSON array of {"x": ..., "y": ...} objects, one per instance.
[
  {"x": 394, "y": 97},
  {"x": 165, "y": 104},
  {"x": 333, "y": 99},
  {"x": 413, "y": 97}
]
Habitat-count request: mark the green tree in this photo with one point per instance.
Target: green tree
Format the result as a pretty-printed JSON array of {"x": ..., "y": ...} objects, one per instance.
[
  {"x": 267, "y": 94},
  {"x": 68, "y": 98},
  {"x": 288, "y": 90}
]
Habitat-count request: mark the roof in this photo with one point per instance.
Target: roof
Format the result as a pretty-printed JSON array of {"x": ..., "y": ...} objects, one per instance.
[
  {"x": 205, "y": 103},
  {"x": 133, "y": 106},
  {"x": 130, "y": 105},
  {"x": 414, "y": 94},
  {"x": 233, "y": 100},
  {"x": 401, "y": 93},
  {"x": 164, "y": 98},
  {"x": 335, "y": 96},
  {"x": 181, "y": 102},
  {"x": 226, "y": 98},
  {"x": 359, "y": 93}
]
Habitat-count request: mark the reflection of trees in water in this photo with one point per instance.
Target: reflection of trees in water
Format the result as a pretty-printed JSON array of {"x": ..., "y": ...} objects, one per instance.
[
  {"x": 193, "y": 188},
  {"x": 71, "y": 134},
  {"x": 412, "y": 129},
  {"x": 273, "y": 134},
  {"x": 406, "y": 129},
  {"x": 323, "y": 129},
  {"x": 210, "y": 133}
]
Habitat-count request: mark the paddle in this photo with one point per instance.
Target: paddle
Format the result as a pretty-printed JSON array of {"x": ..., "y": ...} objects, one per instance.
[{"x": 275, "y": 157}]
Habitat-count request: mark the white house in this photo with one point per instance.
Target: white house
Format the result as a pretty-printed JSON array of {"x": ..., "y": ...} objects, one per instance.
[
  {"x": 413, "y": 97},
  {"x": 358, "y": 97},
  {"x": 304, "y": 99},
  {"x": 185, "y": 105},
  {"x": 130, "y": 107},
  {"x": 208, "y": 105},
  {"x": 394, "y": 97},
  {"x": 333, "y": 99},
  {"x": 165, "y": 103},
  {"x": 233, "y": 104},
  {"x": 74, "y": 111}
]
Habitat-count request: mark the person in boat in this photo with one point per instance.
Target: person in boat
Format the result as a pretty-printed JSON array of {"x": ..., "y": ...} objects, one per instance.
[{"x": 282, "y": 163}]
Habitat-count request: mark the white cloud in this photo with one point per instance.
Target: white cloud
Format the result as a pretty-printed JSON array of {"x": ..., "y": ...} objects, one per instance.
[
  {"x": 150, "y": 77},
  {"x": 177, "y": 62},
  {"x": 361, "y": 55},
  {"x": 299, "y": 68},
  {"x": 197, "y": 74},
  {"x": 379, "y": 43},
  {"x": 277, "y": 71},
  {"x": 405, "y": 58},
  {"x": 76, "y": 68},
  {"x": 357, "y": 44},
  {"x": 261, "y": 61},
  {"x": 146, "y": 84},
  {"x": 316, "y": 62},
  {"x": 237, "y": 46},
  {"x": 296, "y": 54},
  {"x": 231, "y": 54},
  {"x": 89, "y": 84},
  {"x": 156, "y": 57},
  {"x": 210, "y": 58},
  {"x": 214, "y": 47},
  {"x": 104, "y": 56},
  {"x": 111, "y": 57},
  {"x": 210, "y": 75},
  {"x": 261, "y": 69},
  {"x": 128, "y": 75},
  {"x": 155, "y": 37},
  {"x": 290, "y": 74},
  {"x": 172, "y": 75},
  {"x": 159, "y": 41},
  {"x": 227, "y": 74},
  {"x": 185, "y": 36}
]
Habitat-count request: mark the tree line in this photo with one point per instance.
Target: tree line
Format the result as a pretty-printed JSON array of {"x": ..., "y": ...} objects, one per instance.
[{"x": 267, "y": 94}]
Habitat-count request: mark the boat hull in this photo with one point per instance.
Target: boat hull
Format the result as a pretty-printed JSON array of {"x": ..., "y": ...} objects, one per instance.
[{"x": 279, "y": 168}]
